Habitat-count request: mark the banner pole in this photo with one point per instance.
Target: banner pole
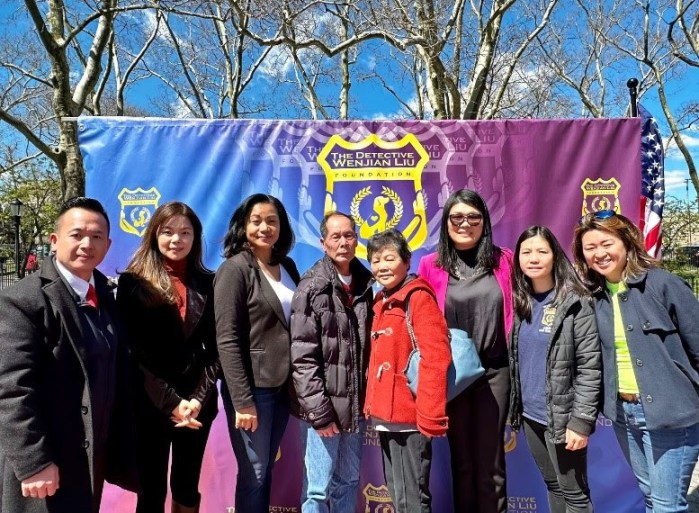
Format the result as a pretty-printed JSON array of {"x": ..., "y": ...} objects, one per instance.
[{"x": 632, "y": 84}]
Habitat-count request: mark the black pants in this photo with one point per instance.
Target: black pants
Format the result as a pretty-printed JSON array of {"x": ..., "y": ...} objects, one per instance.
[
  {"x": 564, "y": 471},
  {"x": 407, "y": 458},
  {"x": 477, "y": 420},
  {"x": 156, "y": 434}
]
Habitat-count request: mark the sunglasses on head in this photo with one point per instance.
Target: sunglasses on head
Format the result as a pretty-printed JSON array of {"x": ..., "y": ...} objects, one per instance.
[
  {"x": 599, "y": 214},
  {"x": 472, "y": 219}
]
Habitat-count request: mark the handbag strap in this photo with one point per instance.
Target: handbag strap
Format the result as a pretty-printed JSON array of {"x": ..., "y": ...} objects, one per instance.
[{"x": 409, "y": 324}]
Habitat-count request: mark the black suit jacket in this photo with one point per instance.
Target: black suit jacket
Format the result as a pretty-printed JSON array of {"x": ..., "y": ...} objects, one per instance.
[
  {"x": 45, "y": 405},
  {"x": 252, "y": 333},
  {"x": 177, "y": 358}
]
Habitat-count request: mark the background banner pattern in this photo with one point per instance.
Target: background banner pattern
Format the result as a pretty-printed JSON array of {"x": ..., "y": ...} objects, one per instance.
[{"x": 386, "y": 174}]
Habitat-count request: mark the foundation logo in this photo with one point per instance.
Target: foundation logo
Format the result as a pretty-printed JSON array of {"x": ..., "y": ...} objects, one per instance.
[
  {"x": 390, "y": 196},
  {"x": 547, "y": 319},
  {"x": 137, "y": 208},
  {"x": 377, "y": 499},
  {"x": 600, "y": 195}
]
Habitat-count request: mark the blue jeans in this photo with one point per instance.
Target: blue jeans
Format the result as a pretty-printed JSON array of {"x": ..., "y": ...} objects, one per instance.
[
  {"x": 331, "y": 477},
  {"x": 255, "y": 452},
  {"x": 662, "y": 460}
]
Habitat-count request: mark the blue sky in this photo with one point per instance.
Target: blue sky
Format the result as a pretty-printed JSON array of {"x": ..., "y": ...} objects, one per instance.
[{"x": 371, "y": 101}]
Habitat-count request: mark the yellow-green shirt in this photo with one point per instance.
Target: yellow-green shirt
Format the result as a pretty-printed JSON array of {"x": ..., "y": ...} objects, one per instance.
[{"x": 625, "y": 372}]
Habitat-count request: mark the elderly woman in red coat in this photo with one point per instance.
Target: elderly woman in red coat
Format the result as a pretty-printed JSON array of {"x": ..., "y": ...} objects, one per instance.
[{"x": 405, "y": 423}]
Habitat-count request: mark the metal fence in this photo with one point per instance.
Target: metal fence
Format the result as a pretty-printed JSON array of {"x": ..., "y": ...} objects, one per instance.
[
  {"x": 8, "y": 272},
  {"x": 7, "y": 279},
  {"x": 694, "y": 283}
]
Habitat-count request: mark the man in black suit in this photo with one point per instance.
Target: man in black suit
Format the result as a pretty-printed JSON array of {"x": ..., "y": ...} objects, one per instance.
[{"x": 65, "y": 411}]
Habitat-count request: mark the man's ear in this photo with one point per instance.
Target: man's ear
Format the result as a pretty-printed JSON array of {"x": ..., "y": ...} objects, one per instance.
[{"x": 53, "y": 238}]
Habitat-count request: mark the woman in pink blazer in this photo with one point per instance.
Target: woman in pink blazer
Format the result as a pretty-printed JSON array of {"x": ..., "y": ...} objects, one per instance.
[{"x": 472, "y": 281}]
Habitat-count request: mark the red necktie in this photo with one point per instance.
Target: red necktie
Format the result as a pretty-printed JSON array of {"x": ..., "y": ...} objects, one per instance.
[{"x": 91, "y": 297}]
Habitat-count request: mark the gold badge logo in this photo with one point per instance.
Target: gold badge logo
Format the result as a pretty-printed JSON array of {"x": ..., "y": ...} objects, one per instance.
[
  {"x": 600, "y": 195},
  {"x": 391, "y": 195},
  {"x": 378, "y": 499},
  {"x": 137, "y": 207}
]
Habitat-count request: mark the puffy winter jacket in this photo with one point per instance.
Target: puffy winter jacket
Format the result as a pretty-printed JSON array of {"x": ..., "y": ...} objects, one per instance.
[
  {"x": 573, "y": 371},
  {"x": 329, "y": 346}
]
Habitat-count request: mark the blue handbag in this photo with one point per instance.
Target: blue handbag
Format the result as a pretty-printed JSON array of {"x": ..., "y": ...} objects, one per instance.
[{"x": 465, "y": 366}]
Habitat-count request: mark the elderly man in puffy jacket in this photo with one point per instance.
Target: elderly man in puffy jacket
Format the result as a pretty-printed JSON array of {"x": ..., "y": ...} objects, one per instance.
[{"x": 330, "y": 325}]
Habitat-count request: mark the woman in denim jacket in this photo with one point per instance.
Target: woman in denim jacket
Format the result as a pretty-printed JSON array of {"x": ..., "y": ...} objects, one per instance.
[{"x": 648, "y": 321}]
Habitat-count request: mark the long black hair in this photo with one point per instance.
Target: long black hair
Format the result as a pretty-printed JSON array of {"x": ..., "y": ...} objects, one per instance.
[
  {"x": 236, "y": 241},
  {"x": 488, "y": 255},
  {"x": 565, "y": 279}
]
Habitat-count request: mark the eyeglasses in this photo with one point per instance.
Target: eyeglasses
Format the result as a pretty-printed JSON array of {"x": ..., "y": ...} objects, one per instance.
[
  {"x": 472, "y": 219},
  {"x": 599, "y": 215}
]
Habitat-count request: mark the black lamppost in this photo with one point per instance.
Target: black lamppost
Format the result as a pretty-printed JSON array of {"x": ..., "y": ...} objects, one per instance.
[{"x": 16, "y": 211}]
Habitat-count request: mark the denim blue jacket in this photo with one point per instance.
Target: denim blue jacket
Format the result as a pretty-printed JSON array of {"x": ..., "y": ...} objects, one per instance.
[{"x": 661, "y": 318}]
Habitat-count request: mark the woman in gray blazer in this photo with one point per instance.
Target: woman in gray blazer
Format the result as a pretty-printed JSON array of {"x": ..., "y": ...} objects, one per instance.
[{"x": 252, "y": 297}]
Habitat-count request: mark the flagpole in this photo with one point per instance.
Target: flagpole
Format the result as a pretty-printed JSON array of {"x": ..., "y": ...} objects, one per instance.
[{"x": 632, "y": 84}]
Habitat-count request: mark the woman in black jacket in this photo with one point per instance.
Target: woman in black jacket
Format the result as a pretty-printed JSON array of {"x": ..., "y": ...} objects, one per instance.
[
  {"x": 166, "y": 300},
  {"x": 555, "y": 366},
  {"x": 253, "y": 290}
]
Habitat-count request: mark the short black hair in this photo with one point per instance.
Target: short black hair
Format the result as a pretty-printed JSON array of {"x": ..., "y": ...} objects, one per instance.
[
  {"x": 84, "y": 203},
  {"x": 333, "y": 213},
  {"x": 390, "y": 238}
]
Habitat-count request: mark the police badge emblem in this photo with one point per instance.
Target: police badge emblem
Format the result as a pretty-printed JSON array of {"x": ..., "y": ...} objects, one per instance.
[
  {"x": 137, "y": 207},
  {"x": 381, "y": 181},
  {"x": 377, "y": 499},
  {"x": 600, "y": 195}
]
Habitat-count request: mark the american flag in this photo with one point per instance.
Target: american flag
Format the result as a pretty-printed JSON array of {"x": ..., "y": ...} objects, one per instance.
[{"x": 652, "y": 182}]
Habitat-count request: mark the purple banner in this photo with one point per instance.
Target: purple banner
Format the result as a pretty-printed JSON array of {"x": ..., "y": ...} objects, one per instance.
[{"x": 386, "y": 174}]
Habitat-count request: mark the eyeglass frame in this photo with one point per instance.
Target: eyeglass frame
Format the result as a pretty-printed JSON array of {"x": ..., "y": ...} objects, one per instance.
[{"x": 467, "y": 218}]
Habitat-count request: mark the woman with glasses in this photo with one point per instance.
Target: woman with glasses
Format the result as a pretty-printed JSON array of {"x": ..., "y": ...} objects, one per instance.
[
  {"x": 472, "y": 281},
  {"x": 555, "y": 367},
  {"x": 648, "y": 321},
  {"x": 253, "y": 289}
]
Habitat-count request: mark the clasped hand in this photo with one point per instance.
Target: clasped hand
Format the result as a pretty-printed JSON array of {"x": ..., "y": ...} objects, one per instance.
[{"x": 185, "y": 414}]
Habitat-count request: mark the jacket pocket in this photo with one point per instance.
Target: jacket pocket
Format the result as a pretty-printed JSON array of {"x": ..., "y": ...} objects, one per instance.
[
  {"x": 257, "y": 362},
  {"x": 383, "y": 394}
]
